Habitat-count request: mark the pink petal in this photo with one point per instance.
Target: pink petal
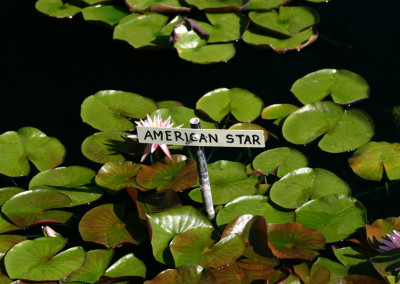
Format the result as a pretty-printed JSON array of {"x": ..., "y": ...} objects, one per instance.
[
  {"x": 146, "y": 152},
  {"x": 153, "y": 147},
  {"x": 132, "y": 136},
  {"x": 165, "y": 149}
]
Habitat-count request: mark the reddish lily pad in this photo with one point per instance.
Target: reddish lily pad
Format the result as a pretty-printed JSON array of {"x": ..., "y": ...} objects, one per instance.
[
  {"x": 107, "y": 14},
  {"x": 195, "y": 247},
  {"x": 358, "y": 279},
  {"x": 375, "y": 158},
  {"x": 117, "y": 176},
  {"x": 8, "y": 192},
  {"x": 190, "y": 274},
  {"x": 33, "y": 206},
  {"x": 17, "y": 148},
  {"x": 317, "y": 275},
  {"x": 177, "y": 174},
  {"x": 240, "y": 274},
  {"x": 36, "y": 260},
  {"x": 112, "y": 110},
  {"x": 344, "y": 86},
  {"x": 380, "y": 228},
  {"x": 164, "y": 226},
  {"x": 57, "y": 8},
  {"x": 101, "y": 225},
  {"x": 281, "y": 160},
  {"x": 126, "y": 266},
  {"x": 244, "y": 105},
  {"x": 292, "y": 240}
]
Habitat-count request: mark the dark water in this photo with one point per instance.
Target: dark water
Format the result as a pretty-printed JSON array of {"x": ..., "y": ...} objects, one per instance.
[{"x": 49, "y": 66}]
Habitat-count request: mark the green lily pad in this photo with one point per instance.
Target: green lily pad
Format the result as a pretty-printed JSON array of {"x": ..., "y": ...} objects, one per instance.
[
  {"x": 190, "y": 274},
  {"x": 255, "y": 205},
  {"x": 96, "y": 262},
  {"x": 257, "y": 37},
  {"x": 335, "y": 216},
  {"x": 336, "y": 270},
  {"x": 108, "y": 14},
  {"x": 278, "y": 112},
  {"x": 300, "y": 185},
  {"x": 250, "y": 126},
  {"x": 287, "y": 20},
  {"x": 73, "y": 181},
  {"x": 28, "y": 144},
  {"x": 386, "y": 262},
  {"x": 228, "y": 180},
  {"x": 156, "y": 5},
  {"x": 265, "y": 4},
  {"x": 283, "y": 160},
  {"x": 56, "y": 8},
  {"x": 164, "y": 226},
  {"x": 169, "y": 104},
  {"x": 117, "y": 176},
  {"x": 318, "y": 274},
  {"x": 344, "y": 129},
  {"x": 292, "y": 240},
  {"x": 195, "y": 247},
  {"x": 244, "y": 105},
  {"x": 33, "y": 206},
  {"x": 8, "y": 192},
  {"x": 344, "y": 86},
  {"x": 4, "y": 279},
  {"x": 227, "y": 5},
  {"x": 101, "y": 225},
  {"x": 7, "y": 226},
  {"x": 375, "y": 158},
  {"x": 380, "y": 228},
  {"x": 177, "y": 174},
  {"x": 111, "y": 110},
  {"x": 7, "y": 242},
  {"x": 36, "y": 260},
  {"x": 126, "y": 266},
  {"x": 356, "y": 259}
]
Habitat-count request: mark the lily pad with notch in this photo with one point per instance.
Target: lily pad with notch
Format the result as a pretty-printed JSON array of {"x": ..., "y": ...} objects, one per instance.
[
  {"x": 105, "y": 14},
  {"x": 193, "y": 274},
  {"x": 318, "y": 274},
  {"x": 336, "y": 270},
  {"x": 127, "y": 266},
  {"x": 117, "y": 176},
  {"x": 59, "y": 9}
]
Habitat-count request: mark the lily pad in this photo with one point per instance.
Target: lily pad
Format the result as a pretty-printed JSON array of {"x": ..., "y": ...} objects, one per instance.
[
  {"x": 56, "y": 8},
  {"x": 190, "y": 274},
  {"x": 240, "y": 274},
  {"x": 265, "y": 4},
  {"x": 8, "y": 192},
  {"x": 9, "y": 241},
  {"x": 96, "y": 262},
  {"x": 73, "y": 181},
  {"x": 250, "y": 126},
  {"x": 380, "y": 228},
  {"x": 358, "y": 279},
  {"x": 292, "y": 240},
  {"x": 177, "y": 174},
  {"x": 126, "y": 266},
  {"x": 156, "y": 5},
  {"x": 255, "y": 205},
  {"x": 356, "y": 259},
  {"x": 318, "y": 274},
  {"x": 195, "y": 247},
  {"x": 36, "y": 260},
  {"x": 33, "y": 206},
  {"x": 164, "y": 226},
  {"x": 101, "y": 225},
  {"x": 336, "y": 270},
  {"x": 286, "y": 21},
  {"x": 257, "y": 37},
  {"x": 244, "y": 105},
  {"x": 281, "y": 160},
  {"x": 344, "y": 129},
  {"x": 278, "y": 112},
  {"x": 373, "y": 159},
  {"x": 386, "y": 263},
  {"x": 7, "y": 226},
  {"x": 112, "y": 110},
  {"x": 117, "y": 176},
  {"x": 335, "y": 216},
  {"x": 108, "y": 14},
  {"x": 228, "y": 180},
  {"x": 344, "y": 86},
  {"x": 169, "y": 104},
  {"x": 227, "y": 5},
  {"x": 300, "y": 185},
  {"x": 28, "y": 144}
]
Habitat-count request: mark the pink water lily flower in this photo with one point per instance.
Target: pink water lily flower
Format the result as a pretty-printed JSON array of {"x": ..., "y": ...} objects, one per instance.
[
  {"x": 156, "y": 122},
  {"x": 393, "y": 242}
]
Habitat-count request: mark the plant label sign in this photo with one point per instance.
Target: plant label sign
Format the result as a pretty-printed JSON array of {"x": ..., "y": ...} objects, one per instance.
[{"x": 201, "y": 137}]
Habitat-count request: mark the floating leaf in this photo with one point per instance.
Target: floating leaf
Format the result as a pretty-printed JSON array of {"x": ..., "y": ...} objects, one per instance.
[
  {"x": 177, "y": 174},
  {"x": 126, "y": 266},
  {"x": 292, "y": 240},
  {"x": 33, "y": 206},
  {"x": 300, "y": 185},
  {"x": 250, "y": 126},
  {"x": 278, "y": 112},
  {"x": 265, "y": 4},
  {"x": 287, "y": 20},
  {"x": 356, "y": 259},
  {"x": 380, "y": 228},
  {"x": 344, "y": 86},
  {"x": 57, "y": 8},
  {"x": 7, "y": 242},
  {"x": 335, "y": 216},
  {"x": 101, "y": 225},
  {"x": 6, "y": 226},
  {"x": 283, "y": 160},
  {"x": 386, "y": 262},
  {"x": 191, "y": 274},
  {"x": 111, "y": 110},
  {"x": 255, "y": 205},
  {"x": 227, "y": 5},
  {"x": 108, "y": 14},
  {"x": 96, "y": 262},
  {"x": 168, "y": 224},
  {"x": 72, "y": 181},
  {"x": 317, "y": 275},
  {"x": 8, "y": 192},
  {"x": 35, "y": 260},
  {"x": 344, "y": 129},
  {"x": 239, "y": 274},
  {"x": 117, "y": 176},
  {"x": 195, "y": 247},
  {"x": 358, "y": 279},
  {"x": 371, "y": 160},
  {"x": 28, "y": 144},
  {"x": 244, "y": 105},
  {"x": 228, "y": 181},
  {"x": 169, "y": 104},
  {"x": 336, "y": 270},
  {"x": 157, "y": 5}
]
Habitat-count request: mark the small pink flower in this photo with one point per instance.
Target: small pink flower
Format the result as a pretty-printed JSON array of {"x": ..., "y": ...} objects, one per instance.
[{"x": 156, "y": 122}]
